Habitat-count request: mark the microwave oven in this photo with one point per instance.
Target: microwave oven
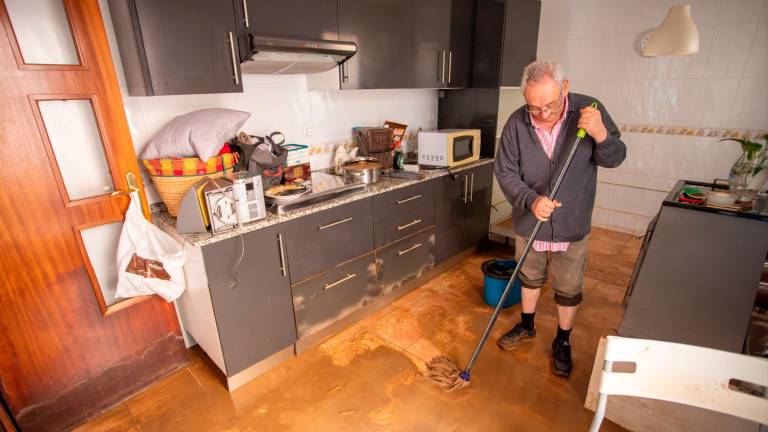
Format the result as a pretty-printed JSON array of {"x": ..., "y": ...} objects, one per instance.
[{"x": 449, "y": 147}]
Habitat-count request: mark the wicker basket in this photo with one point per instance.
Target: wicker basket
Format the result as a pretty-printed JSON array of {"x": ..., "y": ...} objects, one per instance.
[
  {"x": 172, "y": 188},
  {"x": 375, "y": 142}
]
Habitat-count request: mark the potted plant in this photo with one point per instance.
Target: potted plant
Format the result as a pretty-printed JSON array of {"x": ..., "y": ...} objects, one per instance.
[{"x": 750, "y": 170}]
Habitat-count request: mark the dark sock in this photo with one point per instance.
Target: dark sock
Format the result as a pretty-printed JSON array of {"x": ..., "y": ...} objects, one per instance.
[
  {"x": 563, "y": 335},
  {"x": 528, "y": 320}
]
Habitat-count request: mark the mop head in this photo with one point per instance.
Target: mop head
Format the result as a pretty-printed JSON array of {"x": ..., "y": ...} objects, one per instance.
[{"x": 443, "y": 371}]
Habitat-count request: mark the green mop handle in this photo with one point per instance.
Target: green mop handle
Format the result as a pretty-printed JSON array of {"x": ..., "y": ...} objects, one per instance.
[{"x": 581, "y": 133}]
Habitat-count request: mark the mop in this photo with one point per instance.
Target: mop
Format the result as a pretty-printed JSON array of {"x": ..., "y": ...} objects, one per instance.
[{"x": 441, "y": 370}]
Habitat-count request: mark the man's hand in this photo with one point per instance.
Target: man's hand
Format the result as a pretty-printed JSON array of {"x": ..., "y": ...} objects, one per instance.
[
  {"x": 592, "y": 122},
  {"x": 542, "y": 208}
]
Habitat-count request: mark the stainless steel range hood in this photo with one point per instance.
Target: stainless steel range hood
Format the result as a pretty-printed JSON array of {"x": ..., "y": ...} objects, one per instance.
[{"x": 276, "y": 55}]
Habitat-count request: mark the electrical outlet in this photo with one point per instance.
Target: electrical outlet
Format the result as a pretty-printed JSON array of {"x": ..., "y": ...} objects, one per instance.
[
  {"x": 430, "y": 116},
  {"x": 308, "y": 131}
]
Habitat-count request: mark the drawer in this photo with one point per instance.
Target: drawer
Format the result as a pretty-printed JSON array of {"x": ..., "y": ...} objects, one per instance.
[
  {"x": 408, "y": 198},
  {"x": 402, "y": 224},
  {"x": 407, "y": 259},
  {"x": 322, "y": 240},
  {"x": 323, "y": 299}
]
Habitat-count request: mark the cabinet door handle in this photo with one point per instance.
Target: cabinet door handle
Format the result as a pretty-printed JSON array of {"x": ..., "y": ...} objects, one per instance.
[
  {"x": 245, "y": 13},
  {"x": 442, "y": 74},
  {"x": 403, "y": 252},
  {"x": 332, "y": 224},
  {"x": 472, "y": 187},
  {"x": 340, "y": 281},
  {"x": 439, "y": 66},
  {"x": 450, "y": 65},
  {"x": 408, "y": 199},
  {"x": 282, "y": 253},
  {"x": 409, "y": 224},
  {"x": 345, "y": 72},
  {"x": 466, "y": 183},
  {"x": 234, "y": 59}
]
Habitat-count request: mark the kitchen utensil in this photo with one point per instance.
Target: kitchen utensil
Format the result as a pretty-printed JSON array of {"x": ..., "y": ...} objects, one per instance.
[{"x": 362, "y": 169}]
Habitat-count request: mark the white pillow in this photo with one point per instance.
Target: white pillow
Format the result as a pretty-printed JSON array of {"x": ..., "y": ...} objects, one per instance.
[{"x": 199, "y": 133}]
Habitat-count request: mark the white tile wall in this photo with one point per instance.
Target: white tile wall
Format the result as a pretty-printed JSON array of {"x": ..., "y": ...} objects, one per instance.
[{"x": 724, "y": 85}]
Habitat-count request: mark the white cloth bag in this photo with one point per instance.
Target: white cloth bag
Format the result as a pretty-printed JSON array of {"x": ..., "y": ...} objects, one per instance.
[{"x": 161, "y": 256}]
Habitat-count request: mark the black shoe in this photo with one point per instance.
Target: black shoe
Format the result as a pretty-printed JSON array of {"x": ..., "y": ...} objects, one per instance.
[
  {"x": 561, "y": 356},
  {"x": 515, "y": 337}
]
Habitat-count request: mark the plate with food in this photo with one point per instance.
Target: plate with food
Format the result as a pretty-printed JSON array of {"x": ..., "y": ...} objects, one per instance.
[{"x": 286, "y": 192}]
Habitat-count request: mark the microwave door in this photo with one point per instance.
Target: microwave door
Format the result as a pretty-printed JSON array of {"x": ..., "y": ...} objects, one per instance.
[{"x": 462, "y": 147}]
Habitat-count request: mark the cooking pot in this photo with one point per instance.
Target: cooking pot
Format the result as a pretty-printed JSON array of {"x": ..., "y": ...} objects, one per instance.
[{"x": 361, "y": 169}]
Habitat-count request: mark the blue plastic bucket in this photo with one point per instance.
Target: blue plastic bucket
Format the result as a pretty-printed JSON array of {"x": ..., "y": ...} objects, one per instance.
[{"x": 496, "y": 274}]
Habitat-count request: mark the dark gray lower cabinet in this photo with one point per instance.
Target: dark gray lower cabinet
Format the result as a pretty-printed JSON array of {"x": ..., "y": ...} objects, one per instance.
[
  {"x": 330, "y": 296},
  {"x": 462, "y": 210},
  {"x": 251, "y": 300},
  {"x": 322, "y": 240},
  {"x": 405, "y": 260}
]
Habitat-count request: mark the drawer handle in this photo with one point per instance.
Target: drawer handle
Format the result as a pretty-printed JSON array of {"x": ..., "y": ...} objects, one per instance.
[
  {"x": 403, "y": 252},
  {"x": 408, "y": 199},
  {"x": 410, "y": 224},
  {"x": 340, "y": 281},
  {"x": 322, "y": 227}
]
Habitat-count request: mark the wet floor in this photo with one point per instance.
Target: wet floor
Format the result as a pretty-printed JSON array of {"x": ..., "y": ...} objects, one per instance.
[{"x": 367, "y": 377}]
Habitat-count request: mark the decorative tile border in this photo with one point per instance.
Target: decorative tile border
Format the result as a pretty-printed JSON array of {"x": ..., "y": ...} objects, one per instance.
[
  {"x": 330, "y": 147},
  {"x": 694, "y": 131}
]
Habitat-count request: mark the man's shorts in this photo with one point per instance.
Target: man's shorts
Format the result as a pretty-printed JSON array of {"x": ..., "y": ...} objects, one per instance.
[{"x": 567, "y": 270}]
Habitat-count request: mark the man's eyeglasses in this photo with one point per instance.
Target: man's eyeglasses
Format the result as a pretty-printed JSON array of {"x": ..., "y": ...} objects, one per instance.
[{"x": 548, "y": 108}]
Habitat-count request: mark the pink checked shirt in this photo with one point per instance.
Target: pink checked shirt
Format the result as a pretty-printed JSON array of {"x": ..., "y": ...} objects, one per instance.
[{"x": 548, "y": 141}]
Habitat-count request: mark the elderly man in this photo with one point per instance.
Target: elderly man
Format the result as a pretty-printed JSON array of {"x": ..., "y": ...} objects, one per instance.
[{"x": 534, "y": 145}]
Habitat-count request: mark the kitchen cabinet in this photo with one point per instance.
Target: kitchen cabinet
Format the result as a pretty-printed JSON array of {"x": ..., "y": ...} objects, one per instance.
[
  {"x": 407, "y": 44},
  {"x": 332, "y": 295},
  {"x": 506, "y": 35},
  {"x": 462, "y": 210},
  {"x": 251, "y": 297},
  {"x": 177, "y": 46},
  {"x": 405, "y": 260},
  {"x": 301, "y": 19},
  {"x": 321, "y": 240},
  {"x": 402, "y": 212}
]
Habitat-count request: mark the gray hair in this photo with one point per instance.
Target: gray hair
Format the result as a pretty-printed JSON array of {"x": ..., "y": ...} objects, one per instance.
[{"x": 541, "y": 69}]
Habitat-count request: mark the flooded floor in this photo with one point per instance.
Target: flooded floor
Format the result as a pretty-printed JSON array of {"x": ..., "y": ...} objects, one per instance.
[{"x": 367, "y": 377}]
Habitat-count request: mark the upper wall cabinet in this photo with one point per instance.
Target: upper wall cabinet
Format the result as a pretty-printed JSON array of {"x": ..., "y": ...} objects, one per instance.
[
  {"x": 303, "y": 19},
  {"x": 521, "y": 34},
  {"x": 505, "y": 41},
  {"x": 177, "y": 46},
  {"x": 407, "y": 43}
]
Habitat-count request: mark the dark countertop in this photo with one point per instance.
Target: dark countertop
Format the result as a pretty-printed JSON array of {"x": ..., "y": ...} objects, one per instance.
[
  {"x": 168, "y": 223},
  {"x": 671, "y": 200}
]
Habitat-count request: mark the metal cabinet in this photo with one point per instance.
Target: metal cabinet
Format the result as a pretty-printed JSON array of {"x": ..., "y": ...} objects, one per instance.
[
  {"x": 324, "y": 239},
  {"x": 303, "y": 19},
  {"x": 332, "y": 295},
  {"x": 405, "y": 260},
  {"x": 251, "y": 297},
  {"x": 177, "y": 46},
  {"x": 406, "y": 43},
  {"x": 462, "y": 210}
]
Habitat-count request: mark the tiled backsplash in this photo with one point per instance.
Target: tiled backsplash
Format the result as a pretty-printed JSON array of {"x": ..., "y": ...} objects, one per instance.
[
  {"x": 319, "y": 118},
  {"x": 720, "y": 91}
]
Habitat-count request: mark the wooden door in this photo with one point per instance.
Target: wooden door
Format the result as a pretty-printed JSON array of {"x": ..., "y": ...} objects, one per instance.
[{"x": 67, "y": 353}]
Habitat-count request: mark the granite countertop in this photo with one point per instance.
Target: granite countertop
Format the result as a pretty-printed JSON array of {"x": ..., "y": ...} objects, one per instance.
[{"x": 168, "y": 223}]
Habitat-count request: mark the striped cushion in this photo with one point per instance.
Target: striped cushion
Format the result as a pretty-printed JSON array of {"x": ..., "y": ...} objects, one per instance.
[{"x": 190, "y": 166}]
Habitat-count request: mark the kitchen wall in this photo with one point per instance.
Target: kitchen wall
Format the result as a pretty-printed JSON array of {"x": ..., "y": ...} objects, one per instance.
[
  {"x": 673, "y": 110},
  {"x": 322, "y": 119}
]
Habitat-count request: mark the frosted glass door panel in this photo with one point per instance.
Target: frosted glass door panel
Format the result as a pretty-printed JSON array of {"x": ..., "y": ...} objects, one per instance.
[
  {"x": 42, "y": 31},
  {"x": 101, "y": 246},
  {"x": 76, "y": 142}
]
